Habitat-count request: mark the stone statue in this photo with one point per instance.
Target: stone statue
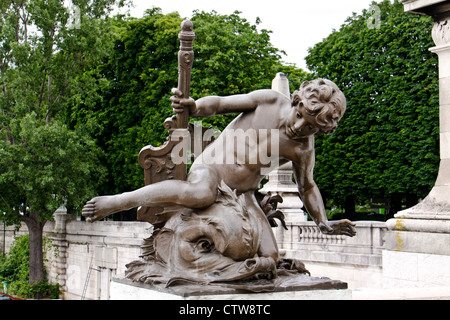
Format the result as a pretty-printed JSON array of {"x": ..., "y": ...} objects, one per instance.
[{"x": 209, "y": 227}]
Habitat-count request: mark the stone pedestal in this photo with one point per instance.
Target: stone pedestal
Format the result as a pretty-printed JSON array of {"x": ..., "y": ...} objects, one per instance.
[
  {"x": 301, "y": 287},
  {"x": 418, "y": 241}
]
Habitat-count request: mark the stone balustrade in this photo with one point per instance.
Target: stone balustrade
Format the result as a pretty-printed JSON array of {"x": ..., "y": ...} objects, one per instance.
[
  {"x": 306, "y": 235},
  {"x": 336, "y": 257},
  {"x": 356, "y": 260},
  {"x": 312, "y": 234}
]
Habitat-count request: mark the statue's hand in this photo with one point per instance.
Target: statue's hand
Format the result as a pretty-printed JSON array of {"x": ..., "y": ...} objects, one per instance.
[
  {"x": 344, "y": 227},
  {"x": 179, "y": 104}
]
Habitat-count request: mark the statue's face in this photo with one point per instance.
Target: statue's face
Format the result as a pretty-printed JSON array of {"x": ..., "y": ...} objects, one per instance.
[
  {"x": 218, "y": 244},
  {"x": 300, "y": 123}
]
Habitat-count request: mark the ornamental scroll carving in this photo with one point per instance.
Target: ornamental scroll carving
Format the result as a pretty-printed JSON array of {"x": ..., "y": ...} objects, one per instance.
[{"x": 441, "y": 32}]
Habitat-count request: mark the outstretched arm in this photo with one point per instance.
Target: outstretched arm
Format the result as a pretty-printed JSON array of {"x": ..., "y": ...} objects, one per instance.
[
  {"x": 309, "y": 192},
  {"x": 312, "y": 199},
  {"x": 215, "y": 105}
]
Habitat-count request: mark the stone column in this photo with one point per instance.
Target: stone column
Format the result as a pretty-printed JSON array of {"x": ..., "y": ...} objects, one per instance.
[
  {"x": 58, "y": 268},
  {"x": 418, "y": 241},
  {"x": 441, "y": 191},
  {"x": 437, "y": 204}
]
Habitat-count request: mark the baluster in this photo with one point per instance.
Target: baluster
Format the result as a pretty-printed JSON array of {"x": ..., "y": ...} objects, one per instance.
[{"x": 301, "y": 234}]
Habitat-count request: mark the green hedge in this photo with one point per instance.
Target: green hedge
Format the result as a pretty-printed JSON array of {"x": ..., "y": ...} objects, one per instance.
[{"x": 14, "y": 268}]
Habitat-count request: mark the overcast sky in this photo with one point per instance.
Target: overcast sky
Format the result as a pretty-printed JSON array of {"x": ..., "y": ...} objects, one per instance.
[{"x": 296, "y": 25}]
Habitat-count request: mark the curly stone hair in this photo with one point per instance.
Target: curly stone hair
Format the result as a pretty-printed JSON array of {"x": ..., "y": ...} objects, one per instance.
[{"x": 330, "y": 106}]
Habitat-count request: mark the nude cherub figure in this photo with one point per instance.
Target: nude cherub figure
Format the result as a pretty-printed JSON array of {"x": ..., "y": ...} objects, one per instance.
[{"x": 316, "y": 107}]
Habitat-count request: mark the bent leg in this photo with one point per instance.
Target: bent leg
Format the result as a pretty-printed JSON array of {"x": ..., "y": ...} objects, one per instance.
[{"x": 199, "y": 191}]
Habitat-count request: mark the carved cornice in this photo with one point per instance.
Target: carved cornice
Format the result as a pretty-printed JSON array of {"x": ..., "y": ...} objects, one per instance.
[
  {"x": 441, "y": 32},
  {"x": 438, "y": 9}
]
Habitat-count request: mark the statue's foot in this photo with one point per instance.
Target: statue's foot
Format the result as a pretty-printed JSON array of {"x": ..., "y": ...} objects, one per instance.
[{"x": 98, "y": 208}]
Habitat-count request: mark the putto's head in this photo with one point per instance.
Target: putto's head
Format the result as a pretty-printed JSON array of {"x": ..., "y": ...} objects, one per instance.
[{"x": 321, "y": 99}]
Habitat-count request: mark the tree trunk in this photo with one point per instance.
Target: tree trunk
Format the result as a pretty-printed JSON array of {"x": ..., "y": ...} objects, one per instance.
[{"x": 35, "y": 229}]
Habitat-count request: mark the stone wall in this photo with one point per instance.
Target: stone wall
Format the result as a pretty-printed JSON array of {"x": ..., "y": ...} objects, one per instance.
[
  {"x": 11, "y": 233},
  {"x": 84, "y": 257},
  {"x": 105, "y": 248},
  {"x": 417, "y": 253}
]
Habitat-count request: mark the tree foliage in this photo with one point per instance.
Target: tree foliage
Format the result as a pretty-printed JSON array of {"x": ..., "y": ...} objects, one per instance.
[
  {"x": 47, "y": 165},
  {"x": 387, "y": 143},
  {"x": 43, "y": 61}
]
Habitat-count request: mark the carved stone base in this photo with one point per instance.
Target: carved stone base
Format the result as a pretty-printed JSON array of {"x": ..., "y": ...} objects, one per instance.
[{"x": 282, "y": 288}]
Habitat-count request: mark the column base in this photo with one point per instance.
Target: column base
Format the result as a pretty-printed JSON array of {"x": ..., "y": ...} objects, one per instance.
[{"x": 436, "y": 206}]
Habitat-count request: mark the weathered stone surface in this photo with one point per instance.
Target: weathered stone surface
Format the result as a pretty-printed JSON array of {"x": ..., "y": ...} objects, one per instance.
[{"x": 294, "y": 283}]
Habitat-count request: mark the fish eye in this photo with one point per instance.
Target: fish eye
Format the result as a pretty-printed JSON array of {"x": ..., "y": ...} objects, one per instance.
[{"x": 204, "y": 245}]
